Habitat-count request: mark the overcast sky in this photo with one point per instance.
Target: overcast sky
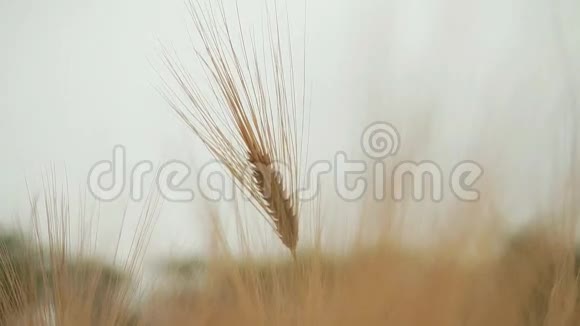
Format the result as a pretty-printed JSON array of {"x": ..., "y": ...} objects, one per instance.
[{"x": 493, "y": 81}]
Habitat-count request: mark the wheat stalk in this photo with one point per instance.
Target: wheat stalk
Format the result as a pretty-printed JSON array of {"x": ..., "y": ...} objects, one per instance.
[{"x": 251, "y": 120}]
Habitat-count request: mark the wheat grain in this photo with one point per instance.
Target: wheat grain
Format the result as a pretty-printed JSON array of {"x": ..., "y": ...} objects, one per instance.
[{"x": 250, "y": 122}]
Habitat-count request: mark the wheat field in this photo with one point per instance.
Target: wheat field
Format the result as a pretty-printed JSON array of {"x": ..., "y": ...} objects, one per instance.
[
  {"x": 532, "y": 280},
  {"x": 246, "y": 102}
]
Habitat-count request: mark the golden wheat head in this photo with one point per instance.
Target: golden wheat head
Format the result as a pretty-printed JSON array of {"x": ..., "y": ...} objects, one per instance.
[{"x": 248, "y": 113}]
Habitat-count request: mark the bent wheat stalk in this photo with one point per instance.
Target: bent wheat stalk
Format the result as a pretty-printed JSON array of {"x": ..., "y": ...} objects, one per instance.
[{"x": 247, "y": 115}]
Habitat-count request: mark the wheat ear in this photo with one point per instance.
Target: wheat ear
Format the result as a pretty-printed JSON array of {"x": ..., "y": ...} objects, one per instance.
[{"x": 248, "y": 115}]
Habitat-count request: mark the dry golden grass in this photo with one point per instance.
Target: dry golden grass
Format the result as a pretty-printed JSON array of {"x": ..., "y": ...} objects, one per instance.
[
  {"x": 59, "y": 287},
  {"x": 49, "y": 279},
  {"x": 532, "y": 280},
  {"x": 532, "y": 283}
]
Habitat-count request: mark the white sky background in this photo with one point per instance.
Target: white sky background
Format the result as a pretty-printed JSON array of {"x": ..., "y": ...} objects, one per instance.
[{"x": 496, "y": 79}]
